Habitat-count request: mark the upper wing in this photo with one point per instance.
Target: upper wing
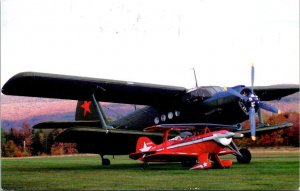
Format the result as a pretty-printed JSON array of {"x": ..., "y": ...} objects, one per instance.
[
  {"x": 268, "y": 93},
  {"x": 80, "y": 88}
]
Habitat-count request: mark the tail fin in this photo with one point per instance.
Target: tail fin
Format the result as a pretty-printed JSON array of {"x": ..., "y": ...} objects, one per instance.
[
  {"x": 86, "y": 111},
  {"x": 144, "y": 144}
]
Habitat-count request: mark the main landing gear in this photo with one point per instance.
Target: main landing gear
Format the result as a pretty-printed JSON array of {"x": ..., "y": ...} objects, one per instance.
[
  {"x": 243, "y": 156},
  {"x": 105, "y": 161}
]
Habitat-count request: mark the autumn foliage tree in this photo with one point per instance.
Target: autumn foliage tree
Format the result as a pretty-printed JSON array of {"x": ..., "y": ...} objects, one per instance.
[
  {"x": 283, "y": 137},
  {"x": 14, "y": 142},
  {"x": 38, "y": 142},
  {"x": 63, "y": 148}
]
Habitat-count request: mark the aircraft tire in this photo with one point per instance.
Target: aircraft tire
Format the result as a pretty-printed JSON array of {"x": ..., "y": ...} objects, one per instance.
[
  {"x": 105, "y": 162},
  {"x": 246, "y": 158}
]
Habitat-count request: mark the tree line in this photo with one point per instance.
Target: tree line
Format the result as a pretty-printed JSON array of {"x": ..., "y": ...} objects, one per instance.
[{"x": 29, "y": 142}]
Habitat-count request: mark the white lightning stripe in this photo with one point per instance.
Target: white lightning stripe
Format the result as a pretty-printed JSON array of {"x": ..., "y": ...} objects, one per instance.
[{"x": 213, "y": 137}]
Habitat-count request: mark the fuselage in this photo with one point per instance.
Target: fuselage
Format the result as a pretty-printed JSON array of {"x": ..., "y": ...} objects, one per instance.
[
  {"x": 203, "y": 105},
  {"x": 204, "y": 143}
]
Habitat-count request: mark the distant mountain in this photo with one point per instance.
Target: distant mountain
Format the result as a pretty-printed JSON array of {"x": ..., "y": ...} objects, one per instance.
[
  {"x": 17, "y": 124},
  {"x": 21, "y": 108}
]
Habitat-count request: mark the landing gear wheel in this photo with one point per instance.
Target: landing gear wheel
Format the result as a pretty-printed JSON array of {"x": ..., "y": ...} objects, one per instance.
[
  {"x": 245, "y": 158},
  {"x": 105, "y": 162}
]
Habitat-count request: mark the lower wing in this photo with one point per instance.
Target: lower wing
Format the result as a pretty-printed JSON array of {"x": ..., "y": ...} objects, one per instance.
[
  {"x": 266, "y": 128},
  {"x": 170, "y": 157},
  {"x": 99, "y": 140}
]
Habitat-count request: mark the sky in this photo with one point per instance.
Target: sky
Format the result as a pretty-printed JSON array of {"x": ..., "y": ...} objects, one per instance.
[{"x": 157, "y": 41}]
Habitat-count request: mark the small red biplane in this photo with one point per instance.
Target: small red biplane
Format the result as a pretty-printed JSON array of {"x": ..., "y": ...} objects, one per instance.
[{"x": 196, "y": 150}]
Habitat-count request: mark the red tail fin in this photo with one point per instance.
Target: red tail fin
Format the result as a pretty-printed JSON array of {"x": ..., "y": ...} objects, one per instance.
[{"x": 144, "y": 144}]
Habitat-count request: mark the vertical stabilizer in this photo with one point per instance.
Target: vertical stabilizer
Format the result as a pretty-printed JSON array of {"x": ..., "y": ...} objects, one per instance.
[
  {"x": 144, "y": 144},
  {"x": 86, "y": 111}
]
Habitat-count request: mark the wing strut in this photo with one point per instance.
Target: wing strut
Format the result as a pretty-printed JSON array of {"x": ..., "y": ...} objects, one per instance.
[
  {"x": 100, "y": 115},
  {"x": 260, "y": 117},
  {"x": 166, "y": 135}
]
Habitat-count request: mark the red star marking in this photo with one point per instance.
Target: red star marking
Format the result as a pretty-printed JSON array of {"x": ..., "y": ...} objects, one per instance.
[{"x": 86, "y": 107}]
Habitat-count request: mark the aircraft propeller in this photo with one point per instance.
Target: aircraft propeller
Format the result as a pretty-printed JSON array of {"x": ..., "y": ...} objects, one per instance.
[{"x": 252, "y": 100}]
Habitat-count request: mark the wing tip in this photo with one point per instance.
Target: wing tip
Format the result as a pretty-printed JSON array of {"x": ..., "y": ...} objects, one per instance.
[{"x": 10, "y": 86}]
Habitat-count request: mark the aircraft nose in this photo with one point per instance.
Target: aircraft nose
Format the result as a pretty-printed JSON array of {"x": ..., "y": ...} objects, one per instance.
[
  {"x": 225, "y": 141},
  {"x": 226, "y": 138}
]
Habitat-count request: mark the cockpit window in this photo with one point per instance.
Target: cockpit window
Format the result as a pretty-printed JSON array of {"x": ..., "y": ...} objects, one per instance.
[{"x": 213, "y": 89}]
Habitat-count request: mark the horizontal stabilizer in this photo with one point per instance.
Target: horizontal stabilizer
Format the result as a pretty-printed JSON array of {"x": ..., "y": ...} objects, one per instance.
[
  {"x": 66, "y": 124},
  {"x": 138, "y": 155}
]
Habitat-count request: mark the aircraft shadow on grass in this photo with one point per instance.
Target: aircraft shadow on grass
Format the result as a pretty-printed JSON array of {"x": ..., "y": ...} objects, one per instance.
[{"x": 95, "y": 167}]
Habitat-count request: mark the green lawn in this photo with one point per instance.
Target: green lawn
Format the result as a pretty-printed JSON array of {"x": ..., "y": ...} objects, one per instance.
[{"x": 267, "y": 171}]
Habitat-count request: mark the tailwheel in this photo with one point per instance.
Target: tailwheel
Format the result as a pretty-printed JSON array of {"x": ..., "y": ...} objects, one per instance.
[
  {"x": 245, "y": 158},
  {"x": 144, "y": 165},
  {"x": 105, "y": 161}
]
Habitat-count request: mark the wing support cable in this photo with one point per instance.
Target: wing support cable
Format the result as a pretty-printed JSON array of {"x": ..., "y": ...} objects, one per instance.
[{"x": 100, "y": 115}]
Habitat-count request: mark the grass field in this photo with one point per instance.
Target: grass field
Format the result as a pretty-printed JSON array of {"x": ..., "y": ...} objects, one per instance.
[{"x": 267, "y": 171}]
